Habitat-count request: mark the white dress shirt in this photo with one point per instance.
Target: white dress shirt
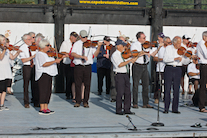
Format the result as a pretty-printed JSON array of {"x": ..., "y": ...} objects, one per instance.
[
  {"x": 192, "y": 68},
  {"x": 116, "y": 59},
  {"x": 202, "y": 52},
  {"x": 66, "y": 47},
  {"x": 160, "y": 65},
  {"x": 77, "y": 48},
  {"x": 40, "y": 59},
  {"x": 170, "y": 54},
  {"x": 186, "y": 60},
  {"x": 25, "y": 53},
  {"x": 138, "y": 46},
  {"x": 5, "y": 68}
]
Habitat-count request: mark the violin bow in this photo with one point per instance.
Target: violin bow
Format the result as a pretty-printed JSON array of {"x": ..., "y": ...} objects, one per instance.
[{"x": 56, "y": 48}]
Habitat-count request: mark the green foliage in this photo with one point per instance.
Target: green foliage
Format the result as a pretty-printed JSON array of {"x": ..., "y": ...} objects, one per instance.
[{"x": 178, "y": 4}]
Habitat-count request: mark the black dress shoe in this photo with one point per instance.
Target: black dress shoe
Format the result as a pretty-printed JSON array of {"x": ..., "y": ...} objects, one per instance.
[
  {"x": 99, "y": 93},
  {"x": 165, "y": 112},
  {"x": 130, "y": 113},
  {"x": 112, "y": 100},
  {"x": 176, "y": 112},
  {"x": 120, "y": 113}
]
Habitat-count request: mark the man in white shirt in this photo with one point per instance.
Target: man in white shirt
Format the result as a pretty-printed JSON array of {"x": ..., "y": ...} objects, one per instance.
[
  {"x": 202, "y": 54},
  {"x": 172, "y": 74},
  {"x": 27, "y": 56},
  {"x": 67, "y": 47},
  {"x": 121, "y": 70},
  {"x": 186, "y": 60},
  {"x": 139, "y": 71},
  {"x": 160, "y": 67},
  {"x": 83, "y": 58}
]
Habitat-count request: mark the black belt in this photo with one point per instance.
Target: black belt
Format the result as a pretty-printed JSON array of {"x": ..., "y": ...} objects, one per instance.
[
  {"x": 141, "y": 64},
  {"x": 204, "y": 64},
  {"x": 173, "y": 66},
  {"x": 119, "y": 73},
  {"x": 83, "y": 65}
]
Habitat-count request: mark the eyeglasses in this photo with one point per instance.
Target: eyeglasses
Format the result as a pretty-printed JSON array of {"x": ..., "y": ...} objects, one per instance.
[
  {"x": 48, "y": 45},
  {"x": 85, "y": 37}
]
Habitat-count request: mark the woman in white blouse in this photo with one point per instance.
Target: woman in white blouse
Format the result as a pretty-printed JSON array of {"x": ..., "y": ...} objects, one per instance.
[
  {"x": 5, "y": 69},
  {"x": 45, "y": 68}
]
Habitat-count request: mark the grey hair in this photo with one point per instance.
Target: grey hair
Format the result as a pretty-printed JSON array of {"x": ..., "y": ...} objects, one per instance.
[
  {"x": 25, "y": 36},
  {"x": 43, "y": 43},
  {"x": 204, "y": 33},
  {"x": 2, "y": 37},
  {"x": 175, "y": 39},
  {"x": 31, "y": 33},
  {"x": 39, "y": 38},
  {"x": 165, "y": 38}
]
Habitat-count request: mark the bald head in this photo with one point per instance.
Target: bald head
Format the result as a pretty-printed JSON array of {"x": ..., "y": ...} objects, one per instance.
[{"x": 177, "y": 42}]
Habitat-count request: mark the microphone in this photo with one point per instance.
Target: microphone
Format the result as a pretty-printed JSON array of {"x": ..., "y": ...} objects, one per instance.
[{"x": 128, "y": 117}]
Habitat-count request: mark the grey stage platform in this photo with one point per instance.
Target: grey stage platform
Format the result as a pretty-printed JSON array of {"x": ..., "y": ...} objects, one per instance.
[{"x": 99, "y": 120}]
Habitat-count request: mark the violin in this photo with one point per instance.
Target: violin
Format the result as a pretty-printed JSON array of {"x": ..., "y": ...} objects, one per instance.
[
  {"x": 190, "y": 44},
  {"x": 2, "y": 46},
  {"x": 11, "y": 47},
  {"x": 206, "y": 43},
  {"x": 182, "y": 51},
  {"x": 109, "y": 47},
  {"x": 53, "y": 54},
  {"x": 65, "y": 53},
  {"x": 90, "y": 43},
  {"x": 148, "y": 44},
  {"x": 134, "y": 53},
  {"x": 34, "y": 47}
]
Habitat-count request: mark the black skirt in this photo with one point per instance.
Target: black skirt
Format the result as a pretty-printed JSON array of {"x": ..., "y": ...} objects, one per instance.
[{"x": 45, "y": 88}]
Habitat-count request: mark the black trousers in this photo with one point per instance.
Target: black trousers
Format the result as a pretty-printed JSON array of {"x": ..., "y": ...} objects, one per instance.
[
  {"x": 69, "y": 78},
  {"x": 158, "y": 87},
  {"x": 123, "y": 88},
  {"x": 82, "y": 74},
  {"x": 140, "y": 72},
  {"x": 101, "y": 73},
  {"x": 203, "y": 82},
  {"x": 172, "y": 76},
  {"x": 113, "y": 86},
  {"x": 29, "y": 75}
]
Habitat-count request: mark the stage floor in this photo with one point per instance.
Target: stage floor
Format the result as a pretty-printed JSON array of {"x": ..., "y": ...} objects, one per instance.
[{"x": 99, "y": 120}]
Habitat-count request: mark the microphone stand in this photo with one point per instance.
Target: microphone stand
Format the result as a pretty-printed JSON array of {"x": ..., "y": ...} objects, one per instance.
[
  {"x": 130, "y": 120},
  {"x": 158, "y": 123}
]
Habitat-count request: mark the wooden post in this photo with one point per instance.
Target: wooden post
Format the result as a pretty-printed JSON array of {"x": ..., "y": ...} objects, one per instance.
[
  {"x": 197, "y": 4},
  {"x": 59, "y": 19},
  {"x": 156, "y": 28}
]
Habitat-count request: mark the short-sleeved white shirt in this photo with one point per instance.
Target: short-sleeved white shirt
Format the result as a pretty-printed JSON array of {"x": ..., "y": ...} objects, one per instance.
[
  {"x": 138, "y": 46},
  {"x": 40, "y": 59},
  {"x": 160, "y": 65},
  {"x": 202, "y": 52},
  {"x": 116, "y": 59},
  {"x": 66, "y": 47},
  {"x": 169, "y": 56},
  {"x": 78, "y": 48},
  {"x": 25, "y": 53},
  {"x": 192, "y": 68},
  {"x": 5, "y": 68}
]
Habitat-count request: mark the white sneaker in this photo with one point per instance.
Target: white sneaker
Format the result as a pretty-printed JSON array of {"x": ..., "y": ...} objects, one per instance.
[{"x": 4, "y": 108}]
